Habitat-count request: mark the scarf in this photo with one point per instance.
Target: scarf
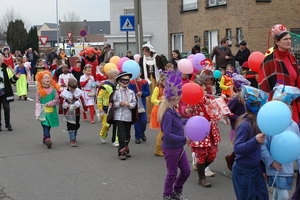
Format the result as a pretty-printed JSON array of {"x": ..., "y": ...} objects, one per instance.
[{"x": 151, "y": 61}]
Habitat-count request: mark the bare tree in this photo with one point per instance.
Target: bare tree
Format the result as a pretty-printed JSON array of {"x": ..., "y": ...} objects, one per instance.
[
  {"x": 71, "y": 23},
  {"x": 10, "y": 16}
]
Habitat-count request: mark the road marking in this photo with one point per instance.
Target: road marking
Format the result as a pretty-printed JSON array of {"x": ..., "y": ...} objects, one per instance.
[{"x": 29, "y": 99}]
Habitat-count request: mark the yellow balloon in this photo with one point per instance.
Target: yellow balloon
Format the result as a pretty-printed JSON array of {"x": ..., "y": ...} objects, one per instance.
[
  {"x": 108, "y": 66},
  {"x": 269, "y": 51},
  {"x": 114, "y": 59}
]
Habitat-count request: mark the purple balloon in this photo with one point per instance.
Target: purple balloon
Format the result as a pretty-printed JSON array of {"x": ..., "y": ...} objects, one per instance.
[
  {"x": 197, "y": 64},
  {"x": 121, "y": 61},
  {"x": 197, "y": 128}
]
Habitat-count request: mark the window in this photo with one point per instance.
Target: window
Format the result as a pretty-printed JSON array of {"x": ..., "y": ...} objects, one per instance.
[
  {"x": 177, "y": 42},
  {"x": 189, "y": 5},
  {"x": 239, "y": 35},
  {"x": 212, "y": 3},
  {"x": 229, "y": 36},
  {"x": 205, "y": 38},
  {"x": 129, "y": 11}
]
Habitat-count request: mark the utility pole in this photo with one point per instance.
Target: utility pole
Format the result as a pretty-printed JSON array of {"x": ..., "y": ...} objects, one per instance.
[{"x": 139, "y": 38}]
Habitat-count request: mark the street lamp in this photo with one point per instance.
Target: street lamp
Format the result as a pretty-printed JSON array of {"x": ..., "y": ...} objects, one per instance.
[{"x": 57, "y": 25}]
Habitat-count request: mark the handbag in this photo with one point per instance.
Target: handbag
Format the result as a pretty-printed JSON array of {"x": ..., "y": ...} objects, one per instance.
[{"x": 141, "y": 108}]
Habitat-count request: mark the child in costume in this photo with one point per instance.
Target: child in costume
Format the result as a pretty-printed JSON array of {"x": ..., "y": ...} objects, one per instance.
[
  {"x": 226, "y": 83},
  {"x": 174, "y": 139},
  {"x": 64, "y": 77},
  {"x": 21, "y": 84},
  {"x": 88, "y": 86},
  {"x": 247, "y": 174},
  {"x": 205, "y": 151},
  {"x": 142, "y": 90},
  {"x": 46, "y": 100},
  {"x": 237, "y": 108},
  {"x": 282, "y": 182},
  {"x": 156, "y": 98},
  {"x": 185, "y": 79},
  {"x": 39, "y": 68},
  {"x": 71, "y": 101},
  {"x": 169, "y": 67},
  {"x": 76, "y": 71},
  {"x": 103, "y": 102},
  {"x": 124, "y": 104},
  {"x": 101, "y": 77}
]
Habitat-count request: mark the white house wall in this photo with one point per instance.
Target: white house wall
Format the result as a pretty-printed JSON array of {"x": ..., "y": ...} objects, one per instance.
[{"x": 155, "y": 23}]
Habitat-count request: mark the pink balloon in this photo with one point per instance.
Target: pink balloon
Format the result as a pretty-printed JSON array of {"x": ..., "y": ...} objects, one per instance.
[
  {"x": 185, "y": 66},
  {"x": 191, "y": 57},
  {"x": 137, "y": 57},
  {"x": 121, "y": 61},
  {"x": 199, "y": 61}
]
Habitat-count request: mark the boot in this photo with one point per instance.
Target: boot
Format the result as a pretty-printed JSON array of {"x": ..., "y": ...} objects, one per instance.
[
  {"x": 230, "y": 160},
  {"x": 202, "y": 179},
  {"x": 158, "y": 151}
]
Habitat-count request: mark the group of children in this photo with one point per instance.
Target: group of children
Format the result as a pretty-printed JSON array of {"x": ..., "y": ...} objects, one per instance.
[{"x": 117, "y": 100}]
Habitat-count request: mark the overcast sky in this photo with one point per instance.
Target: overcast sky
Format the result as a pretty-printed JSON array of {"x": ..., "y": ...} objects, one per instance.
[{"x": 38, "y": 12}]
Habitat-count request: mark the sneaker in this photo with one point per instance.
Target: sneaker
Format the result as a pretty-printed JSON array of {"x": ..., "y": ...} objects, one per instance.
[
  {"x": 179, "y": 196},
  {"x": 48, "y": 143},
  {"x": 92, "y": 122},
  {"x": 168, "y": 198},
  {"x": 115, "y": 144},
  {"x": 194, "y": 162},
  {"x": 122, "y": 157},
  {"x": 208, "y": 172},
  {"x": 138, "y": 141},
  {"x": 103, "y": 139},
  {"x": 73, "y": 143}
]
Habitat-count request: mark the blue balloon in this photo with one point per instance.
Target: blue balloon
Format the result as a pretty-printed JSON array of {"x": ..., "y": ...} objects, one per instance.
[
  {"x": 217, "y": 74},
  {"x": 285, "y": 147},
  {"x": 53, "y": 72},
  {"x": 274, "y": 117},
  {"x": 132, "y": 67}
]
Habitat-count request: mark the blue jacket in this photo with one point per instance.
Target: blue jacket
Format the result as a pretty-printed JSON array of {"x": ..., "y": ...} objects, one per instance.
[
  {"x": 287, "y": 169},
  {"x": 143, "y": 87},
  {"x": 246, "y": 148}
]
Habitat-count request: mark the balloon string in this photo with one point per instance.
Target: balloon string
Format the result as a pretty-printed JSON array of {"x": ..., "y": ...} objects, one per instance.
[
  {"x": 182, "y": 152},
  {"x": 274, "y": 179}
]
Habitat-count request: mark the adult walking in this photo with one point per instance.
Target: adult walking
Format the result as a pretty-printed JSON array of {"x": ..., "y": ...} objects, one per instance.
[
  {"x": 243, "y": 54},
  {"x": 108, "y": 53},
  {"x": 92, "y": 57},
  {"x": 51, "y": 56},
  {"x": 6, "y": 93},
  {"x": 223, "y": 57},
  {"x": 150, "y": 64},
  {"x": 32, "y": 58},
  {"x": 8, "y": 57}
]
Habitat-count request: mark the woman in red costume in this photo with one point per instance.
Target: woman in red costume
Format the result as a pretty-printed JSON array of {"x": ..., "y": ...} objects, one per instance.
[
  {"x": 92, "y": 57},
  {"x": 8, "y": 57}
]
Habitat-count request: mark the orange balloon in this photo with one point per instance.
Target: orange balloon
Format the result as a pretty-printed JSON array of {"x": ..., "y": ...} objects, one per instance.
[
  {"x": 108, "y": 66},
  {"x": 114, "y": 59},
  {"x": 254, "y": 61}
]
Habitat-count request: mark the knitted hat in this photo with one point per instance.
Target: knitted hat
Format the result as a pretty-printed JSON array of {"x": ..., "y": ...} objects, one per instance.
[
  {"x": 254, "y": 98},
  {"x": 245, "y": 65},
  {"x": 239, "y": 80},
  {"x": 243, "y": 42},
  {"x": 285, "y": 93},
  {"x": 277, "y": 30},
  {"x": 173, "y": 84}
]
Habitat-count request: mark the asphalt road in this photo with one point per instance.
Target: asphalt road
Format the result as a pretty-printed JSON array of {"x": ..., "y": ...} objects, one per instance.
[{"x": 92, "y": 170}]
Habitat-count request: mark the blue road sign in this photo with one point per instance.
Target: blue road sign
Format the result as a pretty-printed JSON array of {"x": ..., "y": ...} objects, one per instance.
[{"x": 126, "y": 23}]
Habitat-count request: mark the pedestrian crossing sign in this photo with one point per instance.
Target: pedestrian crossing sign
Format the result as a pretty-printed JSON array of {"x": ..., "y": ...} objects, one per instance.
[{"x": 127, "y": 23}]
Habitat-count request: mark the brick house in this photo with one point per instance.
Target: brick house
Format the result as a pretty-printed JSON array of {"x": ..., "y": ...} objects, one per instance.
[{"x": 208, "y": 21}]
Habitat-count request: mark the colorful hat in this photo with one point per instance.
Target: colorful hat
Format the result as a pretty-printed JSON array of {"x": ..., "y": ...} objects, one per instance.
[
  {"x": 254, "y": 98},
  {"x": 285, "y": 93},
  {"x": 239, "y": 80},
  {"x": 173, "y": 84},
  {"x": 245, "y": 65},
  {"x": 277, "y": 30}
]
